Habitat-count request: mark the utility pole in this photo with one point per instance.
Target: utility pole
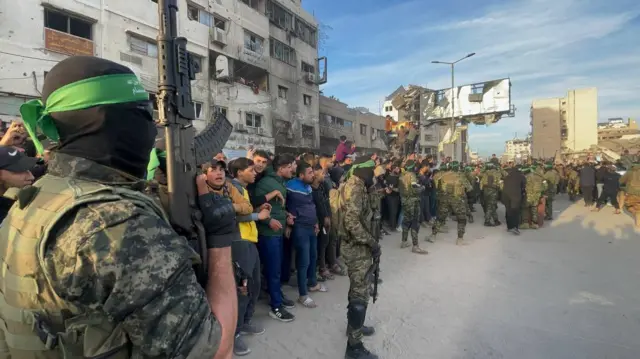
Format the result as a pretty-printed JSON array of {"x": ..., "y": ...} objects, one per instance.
[{"x": 452, "y": 125}]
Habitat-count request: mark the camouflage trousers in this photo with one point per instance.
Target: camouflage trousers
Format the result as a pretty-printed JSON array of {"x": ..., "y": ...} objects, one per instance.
[
  {"x": 456, "y": 205},
  {"x": 548, "y": 206},
  {"x": 529, "y": 213},
  {"x": 490, "y": 198},
  {"x": 573, "y": 189},
  {"x": 411, "y": 219},
  {"x": 357, "y": 258}
]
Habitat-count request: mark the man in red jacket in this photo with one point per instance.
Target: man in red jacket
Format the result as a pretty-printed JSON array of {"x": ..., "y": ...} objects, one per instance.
[{"x": 343, "y": 150}]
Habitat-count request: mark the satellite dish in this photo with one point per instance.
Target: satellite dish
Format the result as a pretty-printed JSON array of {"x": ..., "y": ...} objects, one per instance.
[{"x": 222, "y": 67}]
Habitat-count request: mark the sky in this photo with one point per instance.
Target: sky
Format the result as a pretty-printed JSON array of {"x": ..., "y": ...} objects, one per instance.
[{"x": 546, "y": 47}]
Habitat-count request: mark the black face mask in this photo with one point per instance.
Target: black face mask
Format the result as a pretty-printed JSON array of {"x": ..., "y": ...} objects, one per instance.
[
  {"x": 365, "y": 174},
  {"x": 118, "y": 136}
]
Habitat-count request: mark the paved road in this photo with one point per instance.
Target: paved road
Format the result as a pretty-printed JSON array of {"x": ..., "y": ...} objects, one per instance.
[{"x": 569, "y": 290}]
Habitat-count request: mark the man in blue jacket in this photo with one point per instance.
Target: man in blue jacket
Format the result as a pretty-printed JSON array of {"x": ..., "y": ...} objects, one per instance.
[{"x": 301, "y": 206}]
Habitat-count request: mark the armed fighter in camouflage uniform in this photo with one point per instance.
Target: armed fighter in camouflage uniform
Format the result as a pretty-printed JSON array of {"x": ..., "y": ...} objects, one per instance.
[
  {"x": 553, "y": 179},
  {"x": 91, "y": 266},
  {"x": 358, "y": 249},
  {"x": 410, "y": 192},
  {"x": 535, "y": 188},
  {"x": 455, "y": 185},
  {"x": 573, "y": 182},
  {"x": 441, "y": 196},
  {"x": 490, "y": 184}
]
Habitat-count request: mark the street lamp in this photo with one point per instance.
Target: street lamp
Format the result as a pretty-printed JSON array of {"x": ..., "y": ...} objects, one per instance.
[{"x": 453, "y": 106}]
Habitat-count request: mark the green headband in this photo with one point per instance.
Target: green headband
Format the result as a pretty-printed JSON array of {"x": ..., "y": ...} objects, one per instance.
[
  {"x": 367, "y": 164},
  {"x": 79, "y": 95}
]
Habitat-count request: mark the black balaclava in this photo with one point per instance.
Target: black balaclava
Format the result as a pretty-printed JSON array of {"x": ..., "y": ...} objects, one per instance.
[
  {"x": 366, "y": 173},
  {"x": 119, "y": 136}
]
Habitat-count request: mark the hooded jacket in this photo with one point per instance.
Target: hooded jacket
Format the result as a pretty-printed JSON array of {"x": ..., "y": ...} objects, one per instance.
[
  {"x": 300, "y": 203},
  {"x": 270, "y": 182}
]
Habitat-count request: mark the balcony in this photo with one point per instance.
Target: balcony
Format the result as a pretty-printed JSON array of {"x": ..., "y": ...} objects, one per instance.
[{"x": 67, "y": 44}]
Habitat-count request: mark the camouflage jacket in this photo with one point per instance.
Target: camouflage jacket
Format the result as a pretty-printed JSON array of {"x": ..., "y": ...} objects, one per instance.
[
  {"x": 491, "y": 178},
  {"x": 117, "y": 260},
  {"x": 456, "y": 184},
  {"x": 631, "y": 180},
  {"x": 535, "y": 187},
  {"x": 409, "y": 190},
  {"x": 553, "y": 178},
  {"x": 357, "y": 213},
  {"x": 437, "y": 182}
]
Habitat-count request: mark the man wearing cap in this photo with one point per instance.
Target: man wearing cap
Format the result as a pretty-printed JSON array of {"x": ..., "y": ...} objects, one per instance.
[
  {"x": 14, "y": 172},
  {"x": 359, "y": 247},
  {"x": 91, "y": 262}
]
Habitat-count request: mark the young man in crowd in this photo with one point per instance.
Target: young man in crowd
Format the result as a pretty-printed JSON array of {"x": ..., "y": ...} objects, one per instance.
[
  {"x": 323, "y": 212},
  {"x": 304, "y": 233},
  {"x": 271, "y": 233},
  {"x": 245, "y": 254}
]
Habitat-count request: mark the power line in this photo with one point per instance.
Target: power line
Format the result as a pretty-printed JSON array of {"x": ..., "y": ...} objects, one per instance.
[{"x": 28, "y": 57}]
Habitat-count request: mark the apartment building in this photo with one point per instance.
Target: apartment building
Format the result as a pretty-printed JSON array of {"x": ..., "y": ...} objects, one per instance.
[
  {"x": 358, "y": 125},
  {"x": 258, "y": 58},
  {"x": 517, "y": 149},
  {"x": 564, "y": 123}
]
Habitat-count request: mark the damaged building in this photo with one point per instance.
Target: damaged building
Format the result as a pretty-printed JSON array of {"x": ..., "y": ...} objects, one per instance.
[
  {"x": 358, "y": 125},
  {"x": 258, "y": 59}
]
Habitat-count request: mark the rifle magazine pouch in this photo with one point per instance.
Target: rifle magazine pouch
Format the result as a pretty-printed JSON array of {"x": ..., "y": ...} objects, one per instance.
[{"x": 93, "y": 336}]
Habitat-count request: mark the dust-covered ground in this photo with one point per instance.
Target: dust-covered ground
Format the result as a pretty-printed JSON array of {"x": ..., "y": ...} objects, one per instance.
[{"x": 569, "y": 290}]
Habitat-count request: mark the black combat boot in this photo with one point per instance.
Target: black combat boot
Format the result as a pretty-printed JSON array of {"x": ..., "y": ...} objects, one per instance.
[{"x": 356, "y": 314}]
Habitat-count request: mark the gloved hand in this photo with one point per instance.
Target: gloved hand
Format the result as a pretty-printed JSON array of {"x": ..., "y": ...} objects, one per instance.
[
  {"x": 218, "y": 219},
  {"x": 376, "y": 250}
]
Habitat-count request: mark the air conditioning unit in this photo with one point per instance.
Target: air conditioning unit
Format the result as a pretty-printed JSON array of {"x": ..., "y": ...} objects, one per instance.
[
  {"x": 239, "y": 127},
  {"x": 218, "y": 36},
  {"x": 310, "y": 77},
  {"x": 261, "y": 131}
]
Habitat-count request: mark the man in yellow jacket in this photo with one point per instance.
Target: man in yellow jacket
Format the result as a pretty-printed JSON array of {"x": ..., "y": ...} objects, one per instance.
[{"x": 244, "y": 252}]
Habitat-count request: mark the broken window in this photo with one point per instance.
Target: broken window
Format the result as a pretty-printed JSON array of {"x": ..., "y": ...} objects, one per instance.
[
  {"x": 308, "y": 132},
  {"x": 282, "y": 52},
  {"x": 439, "y": 96},
  {"x": 142, "y": 46},
  {"x": 253, "y": 42},
  {"x": 251, "y": 3},
  {"x": 64, "y": 23},
  {"x": 307, "y": 68},
  {"x": 219, "y": 110},
  {"x": 282, "y": 92},
  {"x": 306, "y": 32},
  {"x": 279, "y": 16},
  {"x": 253, "y": 120},
  {"x": 363, "y": 130},
  {"x": 196, "y": 14},
  {"x": 307, "y": 100}
]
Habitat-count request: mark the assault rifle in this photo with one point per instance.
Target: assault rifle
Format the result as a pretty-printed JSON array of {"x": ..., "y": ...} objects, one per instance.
[
  {"x": 185, "y": 150},
  {"x": 373, "y": 276}
]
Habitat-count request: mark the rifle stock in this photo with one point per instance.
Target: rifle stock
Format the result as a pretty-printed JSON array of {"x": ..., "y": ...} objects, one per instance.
[{"x": 176, "y": 70}]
